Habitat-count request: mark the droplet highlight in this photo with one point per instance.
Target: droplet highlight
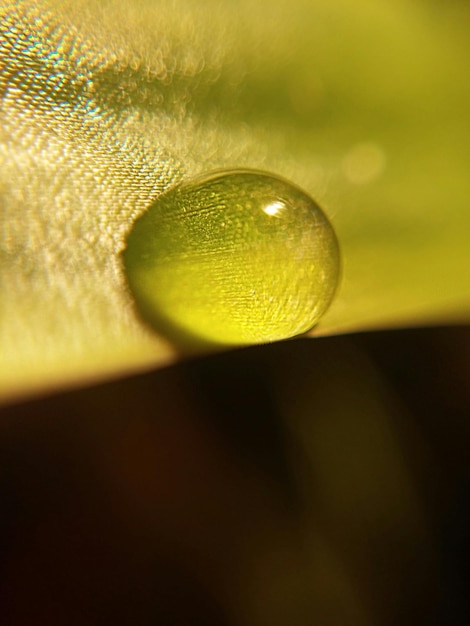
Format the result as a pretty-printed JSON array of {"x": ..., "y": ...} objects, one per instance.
[{"x": 237, "y": 257}]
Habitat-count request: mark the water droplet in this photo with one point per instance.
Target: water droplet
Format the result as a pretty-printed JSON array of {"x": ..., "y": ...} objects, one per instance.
[{"x": 236, "y": 257}]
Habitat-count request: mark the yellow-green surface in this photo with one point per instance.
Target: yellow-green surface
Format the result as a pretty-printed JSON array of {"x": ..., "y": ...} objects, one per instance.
[
  {"x": 236, "y": 258},
  {"x": 105, "y": 105}
]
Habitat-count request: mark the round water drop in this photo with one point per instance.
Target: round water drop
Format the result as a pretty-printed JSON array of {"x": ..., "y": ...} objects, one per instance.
[{"x": 237, "y": 257}]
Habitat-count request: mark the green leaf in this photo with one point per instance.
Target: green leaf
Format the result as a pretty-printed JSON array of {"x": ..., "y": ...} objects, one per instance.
[{"x": 105, "y": 105}]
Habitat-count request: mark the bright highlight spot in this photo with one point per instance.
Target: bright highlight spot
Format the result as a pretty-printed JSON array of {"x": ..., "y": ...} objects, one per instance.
[
  {"x": 364, "y": 163},
  {"x": 274, "y": 208}
]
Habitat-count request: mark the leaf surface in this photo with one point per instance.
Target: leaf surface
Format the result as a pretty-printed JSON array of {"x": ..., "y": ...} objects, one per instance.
[{"x": 105, "y": 105}]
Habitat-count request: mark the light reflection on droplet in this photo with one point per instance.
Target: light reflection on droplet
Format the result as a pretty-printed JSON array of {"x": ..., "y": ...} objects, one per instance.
[{"x": 274, "y": 208}]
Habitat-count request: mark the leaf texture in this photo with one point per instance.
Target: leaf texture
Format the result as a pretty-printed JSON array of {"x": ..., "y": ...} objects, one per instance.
[{"x": 105, "y": 105}]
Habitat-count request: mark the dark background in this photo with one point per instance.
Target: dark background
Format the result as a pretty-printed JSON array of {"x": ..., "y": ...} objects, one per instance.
[{"x": 316, "y": 481}]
